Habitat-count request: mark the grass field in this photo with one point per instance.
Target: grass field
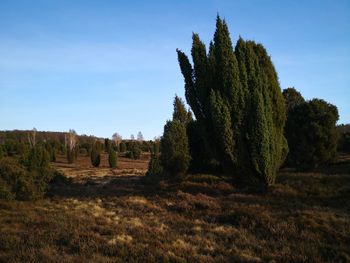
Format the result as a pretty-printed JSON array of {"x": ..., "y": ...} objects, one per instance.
[{"x": 104, "y": 215}]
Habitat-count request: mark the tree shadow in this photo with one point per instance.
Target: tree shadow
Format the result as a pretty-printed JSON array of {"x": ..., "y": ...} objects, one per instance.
[{"x": 100, "y": 187}]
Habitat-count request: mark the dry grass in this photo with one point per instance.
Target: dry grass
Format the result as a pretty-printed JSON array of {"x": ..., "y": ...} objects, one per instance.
[{"x": 305, "y": 217}]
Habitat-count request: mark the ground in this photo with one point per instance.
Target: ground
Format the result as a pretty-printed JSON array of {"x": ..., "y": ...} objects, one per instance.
[{"x": 105, "y": 215}]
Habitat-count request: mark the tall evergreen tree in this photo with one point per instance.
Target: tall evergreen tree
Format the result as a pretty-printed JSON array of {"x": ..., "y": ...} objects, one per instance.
[
  {"x": 238, "y": 104},
  {"x": 112, "y": 158},
  {"x": 95, "y": 155}
]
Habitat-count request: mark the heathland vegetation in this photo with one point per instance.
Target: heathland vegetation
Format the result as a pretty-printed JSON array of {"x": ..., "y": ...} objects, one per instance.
[{"x": 246, "y": 173}]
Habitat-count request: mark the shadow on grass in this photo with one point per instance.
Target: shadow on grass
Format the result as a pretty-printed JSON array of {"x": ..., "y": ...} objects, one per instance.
[{"x": 107, "y": 186}]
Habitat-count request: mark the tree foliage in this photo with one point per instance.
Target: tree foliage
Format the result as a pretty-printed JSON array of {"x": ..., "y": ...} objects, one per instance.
[
  {"x": 95, "y": 155},
  {"x": 26, "y": 178},
  {"x": 292, "y": 98},
  {"x": 112, "y": 158},
  {"x": 311, "y": 133},
  {"x": 175, "y": 157},
  {"x": 180, "y": 112},
  {"x": 239, "y": 108}
]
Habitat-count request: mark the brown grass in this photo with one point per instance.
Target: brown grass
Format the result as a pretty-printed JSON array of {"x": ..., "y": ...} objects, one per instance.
[{"x": 305, "y": 217}]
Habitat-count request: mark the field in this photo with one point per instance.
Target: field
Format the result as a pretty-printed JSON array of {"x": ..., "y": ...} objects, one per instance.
[{"x": 104, "y": 215}]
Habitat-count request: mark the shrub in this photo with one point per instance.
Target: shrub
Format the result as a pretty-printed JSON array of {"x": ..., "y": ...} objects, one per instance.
[
  {"x": 122, "y": 147},
  {"x": 16, "y": 182},
  {"x": 311, "y": 133},
  {"x": 155, "y": 168},
  {"x": 95, "y": 156},
  {"x": 112, "y": 158},
  {"x": 38, "y": 159},
  {"x": 175, "y": 157},
  {"x": 134, "y": 152}
]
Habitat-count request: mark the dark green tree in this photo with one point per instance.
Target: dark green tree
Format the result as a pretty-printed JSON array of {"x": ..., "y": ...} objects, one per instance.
[
  {"x": 122, "y": 147},
  {"x": 180, "y": 112},
  {"x": 311, "y": 133},
  {"x": 237, "y": 101},
  {"x": 292, "y": 98},
  {"x": 155, "y": 168},
  {"x": 95, "y": 155},
  {"x": 112, "y": 158},
  {"x": 107, "y": 145},
  {"x": 175, "y": 157}
]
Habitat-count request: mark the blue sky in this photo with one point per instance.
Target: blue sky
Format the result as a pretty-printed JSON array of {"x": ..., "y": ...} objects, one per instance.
[{"x": 101, "y": 67}]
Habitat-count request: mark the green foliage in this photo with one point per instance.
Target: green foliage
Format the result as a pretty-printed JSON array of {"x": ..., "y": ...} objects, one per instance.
[
  {"x": 204, "y": 178},
  {"x": 95, "y": 155},
  {"x": 38, "y": 159},
  {"x": 13, "y": 147},
  {"x": 292, "y": 98},
  {"x": 180, "y": 113},
  {"x": 239, "y": 108},
  {"x": 112, "y": 158},
  {"x": 311, "y": 133},
  {"x": 122, "y": 147},
  {"x": 155, "y": 168},
  {"x": 17, "y": 182},
  {"x": 175, "y": 157},
  {"x": 134, "y": 151},
  {"x": 200, "y": 153}
]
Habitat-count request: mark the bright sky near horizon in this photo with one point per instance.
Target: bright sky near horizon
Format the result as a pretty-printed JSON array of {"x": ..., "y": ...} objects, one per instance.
[{"x": 101, "y": 67}]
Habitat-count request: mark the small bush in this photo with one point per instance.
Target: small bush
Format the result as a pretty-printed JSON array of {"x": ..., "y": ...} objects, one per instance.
[
  {"x": 155, "y": 168},
  {"x": 95, "y": 156},
  {"x": 112, "y": 158}
]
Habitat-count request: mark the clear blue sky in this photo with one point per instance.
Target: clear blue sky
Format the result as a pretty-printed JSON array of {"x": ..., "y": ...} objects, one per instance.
[{"x": 101, "y": 67}]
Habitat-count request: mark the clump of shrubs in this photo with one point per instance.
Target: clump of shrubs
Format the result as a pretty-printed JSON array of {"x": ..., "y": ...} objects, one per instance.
[
  {"x": 26, "y": 178},
  {"x": 134, "y": 151}
]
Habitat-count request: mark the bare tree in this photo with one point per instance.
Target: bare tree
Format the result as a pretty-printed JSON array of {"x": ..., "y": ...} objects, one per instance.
[
  {"x": 140, "y": 136},
  {"x": 117, "y": 138},
  {"x": 71, "y": 139},
  {"x": 32, "y": 138},
  {"x": 132, "y": 137}
]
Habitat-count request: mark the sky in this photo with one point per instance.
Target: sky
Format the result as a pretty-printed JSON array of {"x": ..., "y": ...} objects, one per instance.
[{"x": 100, "y": 67}]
